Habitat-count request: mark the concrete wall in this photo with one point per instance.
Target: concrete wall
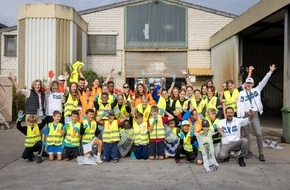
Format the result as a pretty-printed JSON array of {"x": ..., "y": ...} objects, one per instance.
[
  {"x": 201, "y": 26},
  {"x": 6, "y": 98},
  {"x": 225, "y": 61}
]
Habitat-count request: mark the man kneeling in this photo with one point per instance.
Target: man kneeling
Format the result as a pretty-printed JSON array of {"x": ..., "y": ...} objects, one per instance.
[{"x": 230, "y": 128}]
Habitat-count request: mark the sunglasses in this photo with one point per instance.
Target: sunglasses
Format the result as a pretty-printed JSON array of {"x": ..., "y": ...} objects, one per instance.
[{"x": 125, "y": 86}]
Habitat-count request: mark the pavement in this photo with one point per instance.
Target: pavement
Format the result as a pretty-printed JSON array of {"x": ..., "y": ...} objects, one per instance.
[{"x": 16, "y": 173}]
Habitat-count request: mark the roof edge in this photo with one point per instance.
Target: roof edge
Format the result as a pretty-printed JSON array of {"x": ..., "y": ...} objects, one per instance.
[
  {"x": 178, "y": 2},
  {"x": 258, "y": 12},
  {"x": 8, "y": 29}
]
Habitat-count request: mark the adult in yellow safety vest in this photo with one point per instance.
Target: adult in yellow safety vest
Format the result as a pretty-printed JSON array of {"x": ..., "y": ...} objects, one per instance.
[{"x": 230, "y": 97}]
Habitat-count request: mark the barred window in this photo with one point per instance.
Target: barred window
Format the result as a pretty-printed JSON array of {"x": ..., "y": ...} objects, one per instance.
[{"x": 102, "y": 45}]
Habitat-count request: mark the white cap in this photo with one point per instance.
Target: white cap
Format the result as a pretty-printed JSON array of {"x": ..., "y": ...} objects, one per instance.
[
  {"x": 61, "y": 77},
  {"x": 185, "y": 122},
  {"x": 249, "y": 80}
]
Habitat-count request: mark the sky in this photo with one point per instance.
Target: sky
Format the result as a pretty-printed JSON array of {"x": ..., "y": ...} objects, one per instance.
[{"x": 8, "y": 8}]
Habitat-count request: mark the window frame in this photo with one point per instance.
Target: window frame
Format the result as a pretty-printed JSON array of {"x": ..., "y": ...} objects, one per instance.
[
  {"x": 110, "y": 52},
  {"x": 6, "y": 37}
]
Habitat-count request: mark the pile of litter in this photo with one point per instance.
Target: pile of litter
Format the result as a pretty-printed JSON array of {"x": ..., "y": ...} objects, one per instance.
[{"x": 272, "y": 144}]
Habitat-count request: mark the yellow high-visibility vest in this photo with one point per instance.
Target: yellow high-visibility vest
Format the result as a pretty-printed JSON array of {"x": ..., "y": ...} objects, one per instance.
[
  {"x": 72, "y": 136},
  {"x": 111, "y": 132},
  {"x": 231, "y": 100},
  {"x": 32, "y": 136},
  {"x": 90, "y": 129},
  {"x": 54, "y": 137},
  {"x": 140, "y": 133},
  {"x": 158, "y": 131}
]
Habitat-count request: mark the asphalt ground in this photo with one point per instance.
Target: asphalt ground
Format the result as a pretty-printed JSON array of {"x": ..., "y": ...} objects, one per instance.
[{"x": 16, "y": 173}]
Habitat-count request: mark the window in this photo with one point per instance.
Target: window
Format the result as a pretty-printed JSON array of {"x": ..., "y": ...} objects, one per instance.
[
  {"x": 156, "y": 25},
  {"x": 10, "y": 45},
  {"x": 102, "y": 45}
]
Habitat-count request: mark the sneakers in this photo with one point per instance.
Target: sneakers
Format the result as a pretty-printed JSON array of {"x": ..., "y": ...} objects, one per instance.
[
  {"x": 177, "y": 162},
  {"x": 242, "y": 162},
  {"x": 99, "y": 160},
  {"x": 261, "y": 157},
  {"x": 38, "y": 159}
]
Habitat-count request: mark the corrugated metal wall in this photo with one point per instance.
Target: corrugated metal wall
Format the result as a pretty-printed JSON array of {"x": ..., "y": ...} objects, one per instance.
[
  {"x": 62, "y": 44},
  {"x": 261, "y": 56},
  {"x": 21, "y": 52},
  {"x": 40, "y": 48}
]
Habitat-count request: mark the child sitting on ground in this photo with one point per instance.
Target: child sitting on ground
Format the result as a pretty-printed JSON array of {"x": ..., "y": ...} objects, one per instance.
[
  {"x": 53, "y": 137},
  {"x": 171, "y": 139},
  {"x": 71, "y": 131},
  {"x": 89, "y": 132},
  {"x": 185, "y": 144},
  {"x": 127, "y": 136},
  {"x": 32, "y": 136}
]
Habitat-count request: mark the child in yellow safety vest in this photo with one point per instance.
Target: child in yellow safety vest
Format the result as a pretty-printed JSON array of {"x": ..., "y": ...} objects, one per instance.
[
  {"x": 141, "y": 138},
  {"x": 185, "y": 146},
  {"x": 111, "y": 137},
  {"x": 72, "y": 139},
  {"x": 157, "y": 133},
  {"x": 89, "y": 131},
  {"x": 53, "y": 137},
  {"x": 32, "y": 136}
]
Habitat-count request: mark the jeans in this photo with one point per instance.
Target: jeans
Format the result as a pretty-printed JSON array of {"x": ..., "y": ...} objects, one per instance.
[{"x": 258, "y": 133}]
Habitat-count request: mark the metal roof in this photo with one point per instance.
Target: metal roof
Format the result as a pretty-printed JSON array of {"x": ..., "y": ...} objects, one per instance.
[
  {"x": 265, "y": 20},
  {"x": 8, "y": 29},
  {"x": 177, "y": 2}
]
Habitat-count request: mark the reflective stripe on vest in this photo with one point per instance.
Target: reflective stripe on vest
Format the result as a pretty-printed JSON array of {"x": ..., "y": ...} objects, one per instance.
[
  {"x": 231, "y": 100},
  {"x": 111, "y": 131},
  {"x": 200, "y": 106},
  {"x": 140, "y": 133},
  {"x": 158, "y": 128},
  {"x": 54, "y": 137},
  {"x": 145, "y": 112},
  {"x": 72, "y": 136},
  {"x": 89, "y": 133},
  {"x": 70, "y": 105},
  {"x": 119, "y": 113},
  {"x": 187, "y": 145},
  {"x": 32, "y": 136},
  {"x": 103, "y": 109},
  {"x": 213, "y": 127}
]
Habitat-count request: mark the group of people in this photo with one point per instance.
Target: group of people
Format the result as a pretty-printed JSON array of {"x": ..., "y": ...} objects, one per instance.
[{"x": 69, "y": 119}]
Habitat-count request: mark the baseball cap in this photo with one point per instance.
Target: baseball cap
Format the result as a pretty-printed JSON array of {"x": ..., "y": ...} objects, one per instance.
[
  {"x": 205, "y": 123},
  {"x": 185, "y": 122},
  {"x": 111, "y": 112},
  {"x": 249, "y": 80},
  {"x": 61, "y": 77}
]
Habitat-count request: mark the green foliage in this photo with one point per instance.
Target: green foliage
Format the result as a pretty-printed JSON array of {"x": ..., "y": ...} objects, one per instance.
[
  {"x": 91, "y": 75},
  {"x": 18, "y": 103}
]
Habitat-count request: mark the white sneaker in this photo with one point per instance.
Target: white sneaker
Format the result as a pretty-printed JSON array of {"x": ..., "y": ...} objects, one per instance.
[
  {"x": 275, "y": 145},
  {"x": 98, "y": 159}
]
